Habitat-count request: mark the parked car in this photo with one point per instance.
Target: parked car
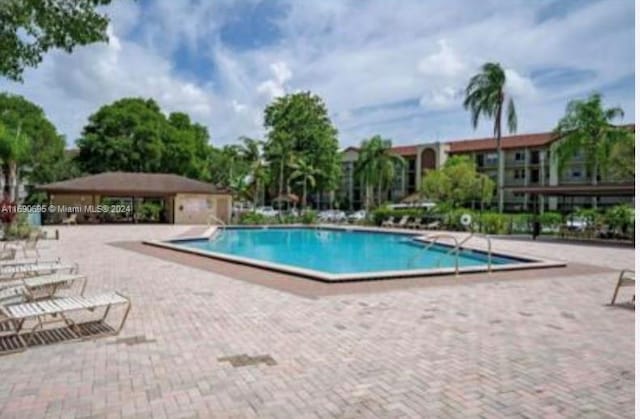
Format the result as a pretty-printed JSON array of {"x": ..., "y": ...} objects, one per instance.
[
  {"x": 357, "y": 216},
  {"x": 332, "y": 216},
  {"x": 267, "y": 211}
]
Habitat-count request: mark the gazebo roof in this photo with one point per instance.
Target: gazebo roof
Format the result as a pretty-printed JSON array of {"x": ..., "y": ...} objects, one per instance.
[{"x": 131, "y": 184}]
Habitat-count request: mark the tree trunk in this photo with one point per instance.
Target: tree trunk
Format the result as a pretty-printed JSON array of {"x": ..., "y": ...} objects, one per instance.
[
  {"x": 281, "y": 183},
  {"x": 6, "y": 173},
  {"x": 14, "y": 181},
  {"x": 500, "y": 171},
  {"x": 594, "y": 181},
  {"x": 303, "y": 204}
]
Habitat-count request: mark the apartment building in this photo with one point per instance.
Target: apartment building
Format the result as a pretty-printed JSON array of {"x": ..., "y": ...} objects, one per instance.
[{"x": 528, "y": 162}]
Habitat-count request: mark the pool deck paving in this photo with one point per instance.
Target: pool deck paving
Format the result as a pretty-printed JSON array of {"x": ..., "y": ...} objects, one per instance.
[{"x": 221, "y": 342}]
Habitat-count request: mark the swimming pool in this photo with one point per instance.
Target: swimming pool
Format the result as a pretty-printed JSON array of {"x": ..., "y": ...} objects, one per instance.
[{"x": 336, "y": 254}]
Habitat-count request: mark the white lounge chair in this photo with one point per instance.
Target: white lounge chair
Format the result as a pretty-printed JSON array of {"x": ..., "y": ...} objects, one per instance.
[
  {"x": 45, "y": 286},
  {"x": 15, "y": 312},
  {"x": 19, "y": 269},
  {"x": 71, "y": 219},
  {"x": 388, "y": 222},
  {"x": 30, "y": 244},
  {"x": 416, "y": 223},
  {"x": 402, "y": 223},
  {"x": 627, "y": 278}
]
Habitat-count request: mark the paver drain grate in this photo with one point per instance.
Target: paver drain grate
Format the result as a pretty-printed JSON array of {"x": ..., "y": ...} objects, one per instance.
[
  {"x": 132, "y": 340},
  {"x": 244, "y": 360}
]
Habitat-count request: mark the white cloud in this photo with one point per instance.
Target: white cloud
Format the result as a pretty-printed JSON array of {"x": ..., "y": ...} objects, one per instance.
[
  {"x": 443, "y": 63},
  {"x": 519, "y": 86},
  {"x": 275, "y": 87},
  {"x": 444, "y": 98},
  {"x": 354, "y": 54}
]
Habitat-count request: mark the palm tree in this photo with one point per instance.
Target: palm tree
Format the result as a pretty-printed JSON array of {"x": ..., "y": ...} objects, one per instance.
[
  {"x": 587, "y": 129},
  {"x": 376, "y": 167},
  {"x": 251, "y": 152},
  {"x": 306, "y": 174},
  {"x": 485, "y": 96},
  {"x": 239, "y": 188},
  {"x": 279, "y": 154}
]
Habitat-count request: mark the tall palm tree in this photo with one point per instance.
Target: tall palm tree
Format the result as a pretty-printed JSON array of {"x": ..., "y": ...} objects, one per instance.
[
  {"x": 279, "y": 155},
  {"x": 587, "y": 128},
  {"x": 305, "y": 173},
  {"x": 485, "y": 96},
  {"x": 251, "y": 152},
  {"x": 376, "y": 167}
]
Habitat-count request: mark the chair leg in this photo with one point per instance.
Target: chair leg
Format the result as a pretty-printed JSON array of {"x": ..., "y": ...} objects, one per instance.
[{"x": 615, "y": 292}]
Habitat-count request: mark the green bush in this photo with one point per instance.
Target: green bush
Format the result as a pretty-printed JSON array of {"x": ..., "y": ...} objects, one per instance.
[
  {"x": 253, "y": 218},
  {"x": 550, "y": 219},
  {"x": 520, "y": 223},
  {"x": 308, "y": 217},
  {"x": 494, "y": 223},
  {"x": 150, "y": 211},
  {"x": 286, "y": 219},
  {"x": 620, "y": 218}
]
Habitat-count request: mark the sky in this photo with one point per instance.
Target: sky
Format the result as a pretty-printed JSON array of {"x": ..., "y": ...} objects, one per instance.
[{"x": 397, "y": 69}]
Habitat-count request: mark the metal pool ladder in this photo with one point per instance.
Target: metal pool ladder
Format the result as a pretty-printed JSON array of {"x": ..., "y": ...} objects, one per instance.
[
  {"x": 434, "y": 239},
  {"x": 466, "y": 239},
  {"x": 219, "y": 232},
  {"x": 456, "y": 249}
]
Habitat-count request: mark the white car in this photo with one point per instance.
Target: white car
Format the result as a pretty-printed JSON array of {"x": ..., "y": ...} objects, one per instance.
[
  {"x": 267, "y": 211},
  {"x": 333, "y": 216},
  {"x": 358, "y": 216}
]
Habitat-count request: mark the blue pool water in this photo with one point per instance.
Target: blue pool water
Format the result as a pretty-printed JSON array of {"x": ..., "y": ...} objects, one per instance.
[{"x": 337, "y": 251}]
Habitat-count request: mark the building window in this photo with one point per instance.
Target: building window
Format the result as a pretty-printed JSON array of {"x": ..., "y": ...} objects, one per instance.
[
  {"x": 519, "y": 156},
  {"x": 576, "y": 173},
  {"x": 491, "y": 158},
  {"x": 518, "y": 174},
  {"x": 535, "y": 157},
  {"x": 535, "y": 176}
]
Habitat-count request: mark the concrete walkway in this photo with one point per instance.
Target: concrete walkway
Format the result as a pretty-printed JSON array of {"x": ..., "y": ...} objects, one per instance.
[{"x": 198, "y": 344}]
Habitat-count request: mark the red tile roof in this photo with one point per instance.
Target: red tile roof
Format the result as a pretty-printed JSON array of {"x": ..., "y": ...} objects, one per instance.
[
  {"x": 405, "y": 150},
  {"x": 509, "y": 142}
]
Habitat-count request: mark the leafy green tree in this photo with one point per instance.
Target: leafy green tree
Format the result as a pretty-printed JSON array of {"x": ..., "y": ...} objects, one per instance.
[
  {"x": 30, "y": 28},
  {"x": 298, "y": 126},
  {"x": 623, "y": 162},
  {"x": 133, "y": 135},
  {"x": 14, "y": 149},
  {"x": 587, "y": 129},
  {"x": 306, "y": 174},
  {"x": 457, "y": 183},
  {"x": 41, "y": 147},
  {"x": 228, "y": 165},
  {"x": 186, "y": 147},
  {"x": 376, "y": 167},
  {"x": 485, "y": 96}
]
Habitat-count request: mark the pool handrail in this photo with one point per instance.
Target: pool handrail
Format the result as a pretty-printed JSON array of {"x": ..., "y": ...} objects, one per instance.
[
  {"x": 219, "y": 231},
  {"x": 434, "y": 238},
  {"x": 466, "y": 239}
]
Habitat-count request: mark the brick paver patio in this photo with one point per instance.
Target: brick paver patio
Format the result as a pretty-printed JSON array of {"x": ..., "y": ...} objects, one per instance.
[{"x": 198, "y": 344}]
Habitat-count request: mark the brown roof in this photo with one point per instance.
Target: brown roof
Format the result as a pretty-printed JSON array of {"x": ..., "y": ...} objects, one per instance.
[
  {"x": 138, "y": 184},
  {"x": 508, "y": 142},
  {"x": 512, "y": 141},
  {"x": 405, "y": 150}
]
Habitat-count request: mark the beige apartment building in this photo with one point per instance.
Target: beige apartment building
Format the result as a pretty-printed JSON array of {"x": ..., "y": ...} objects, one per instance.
[{"x": 529, "y": 170}]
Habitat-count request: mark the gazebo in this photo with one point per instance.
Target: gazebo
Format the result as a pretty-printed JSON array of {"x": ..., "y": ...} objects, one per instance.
[{"x": 183, "y": 200}]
